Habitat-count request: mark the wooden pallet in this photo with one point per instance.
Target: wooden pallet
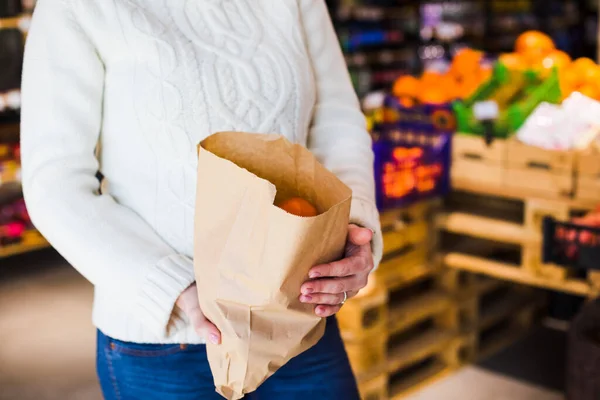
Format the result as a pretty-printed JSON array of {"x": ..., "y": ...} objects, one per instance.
[
  {"x": 497, "y": 335},
  {"x": 499, "y": 317},
  {"x": 466, "y": 285},
  {"x": 374, "y": 388},
  {"x": 415, "y": 373},
  {"x": 425, "y": 341},
  {"x": 408, "y": 240},
  {"x": 421, "y": 323},
  {"x": 422, "y": 299},
  {"x": 440, "y": 336},
  {"x": 368, "y": 357},
  {"x": 433, "y": 315},
  {"x": 402, "y": 268},
  {"x": 366, "y": 314},
  {"x": 419, "y": 301},
  {"x": 486, "y": 306},
  {"x": 491, "y": 224}
]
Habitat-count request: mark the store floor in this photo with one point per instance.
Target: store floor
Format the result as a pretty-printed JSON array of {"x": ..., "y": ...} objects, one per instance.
[
  {"x": 47, "y": 342},
  {"x": 46, "y": 334}
]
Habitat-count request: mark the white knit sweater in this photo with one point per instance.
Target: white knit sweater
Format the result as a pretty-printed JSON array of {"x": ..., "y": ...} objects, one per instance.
[{"x": 150, "y": 79}]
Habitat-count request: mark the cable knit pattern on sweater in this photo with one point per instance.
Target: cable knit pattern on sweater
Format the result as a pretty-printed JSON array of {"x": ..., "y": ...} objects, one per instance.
[{"x": 150, "y": 79}]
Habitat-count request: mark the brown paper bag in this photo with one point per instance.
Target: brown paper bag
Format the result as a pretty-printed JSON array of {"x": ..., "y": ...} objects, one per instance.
[{"x": 251, "y": 257}]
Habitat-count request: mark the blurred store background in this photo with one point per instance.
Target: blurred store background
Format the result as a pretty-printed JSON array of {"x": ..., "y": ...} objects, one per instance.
[{"x": 485, "y": 116}]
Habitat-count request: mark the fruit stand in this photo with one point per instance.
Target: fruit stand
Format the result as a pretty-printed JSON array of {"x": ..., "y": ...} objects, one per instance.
[{"x": 467, "y": 264}]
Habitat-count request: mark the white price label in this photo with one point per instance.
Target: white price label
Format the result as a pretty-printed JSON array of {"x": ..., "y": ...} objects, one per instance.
[{"x": 486, "y": 110}]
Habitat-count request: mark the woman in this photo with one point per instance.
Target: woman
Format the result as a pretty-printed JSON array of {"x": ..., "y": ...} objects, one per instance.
[{"x": 149, "y": 79}]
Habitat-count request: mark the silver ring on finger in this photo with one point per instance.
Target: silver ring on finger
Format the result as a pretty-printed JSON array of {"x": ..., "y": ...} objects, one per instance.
[{"x": 345, "y": 299}]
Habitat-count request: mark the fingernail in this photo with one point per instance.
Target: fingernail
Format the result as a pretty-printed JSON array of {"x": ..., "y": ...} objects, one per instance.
[
  {"x": 313, "y": 275},
  {"x": 320, "y": 311},
  {"x": 307, "y": 290},
  {"x": 305, "y": 298},
  {"x": 214, "y": 339}
]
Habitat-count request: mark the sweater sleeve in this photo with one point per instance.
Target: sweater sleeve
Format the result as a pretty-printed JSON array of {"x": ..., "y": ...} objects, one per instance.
[
  {"x": 338, "y": 135},
  {"x": 113, "y": 247}
]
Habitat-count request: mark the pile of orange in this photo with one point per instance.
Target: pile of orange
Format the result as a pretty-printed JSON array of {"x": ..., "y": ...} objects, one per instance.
[
  {"x": 536, "y": 51},
  {"x": 582, "y": 75},
  {"x": 465, "y": 75},
  {"x": 468, "y": 73}
]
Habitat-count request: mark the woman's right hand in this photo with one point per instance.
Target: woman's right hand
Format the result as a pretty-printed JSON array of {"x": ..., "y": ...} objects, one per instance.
[{"x": 188, "y": 303}]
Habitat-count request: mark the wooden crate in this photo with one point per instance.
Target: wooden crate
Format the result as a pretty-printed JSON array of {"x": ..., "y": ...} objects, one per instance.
[
  {"x": 588, "y": 176},
  {"x": 374, "y": 389},
  {"x": 483, "y": 226},
  {"x": 539, "y": 171},
  {"x": 509, "y": 165},
  {"x": 476, "y": 162},
  {"x": 366, "y": 314}
]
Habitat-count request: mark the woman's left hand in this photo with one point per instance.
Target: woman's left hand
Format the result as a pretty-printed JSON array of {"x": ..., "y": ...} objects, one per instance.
[{"x": 330, "y": 281}]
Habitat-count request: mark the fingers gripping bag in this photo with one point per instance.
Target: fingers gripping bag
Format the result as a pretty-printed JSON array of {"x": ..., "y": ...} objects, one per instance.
[{"x": 251, "y": 257}]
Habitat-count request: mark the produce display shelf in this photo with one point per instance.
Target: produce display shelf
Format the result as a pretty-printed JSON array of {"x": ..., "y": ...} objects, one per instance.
[{"x": 32, "y": 241}]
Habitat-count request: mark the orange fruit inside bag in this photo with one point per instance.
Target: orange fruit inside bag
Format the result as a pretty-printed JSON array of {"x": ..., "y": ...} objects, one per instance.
[{"x": 299, "y": 207}]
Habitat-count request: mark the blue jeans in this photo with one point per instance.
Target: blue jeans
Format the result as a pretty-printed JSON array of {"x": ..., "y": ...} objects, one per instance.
[{"x": 130, "y": 371}]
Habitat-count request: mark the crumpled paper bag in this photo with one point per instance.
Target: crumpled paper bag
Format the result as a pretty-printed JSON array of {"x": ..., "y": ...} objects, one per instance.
[{"x": 251, "y": 257}]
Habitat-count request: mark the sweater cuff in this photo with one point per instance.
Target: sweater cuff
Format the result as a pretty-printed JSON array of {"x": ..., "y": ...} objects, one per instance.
[
  {"x": 161, "y": 289},
  {"x": 364, "y": 213}
]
